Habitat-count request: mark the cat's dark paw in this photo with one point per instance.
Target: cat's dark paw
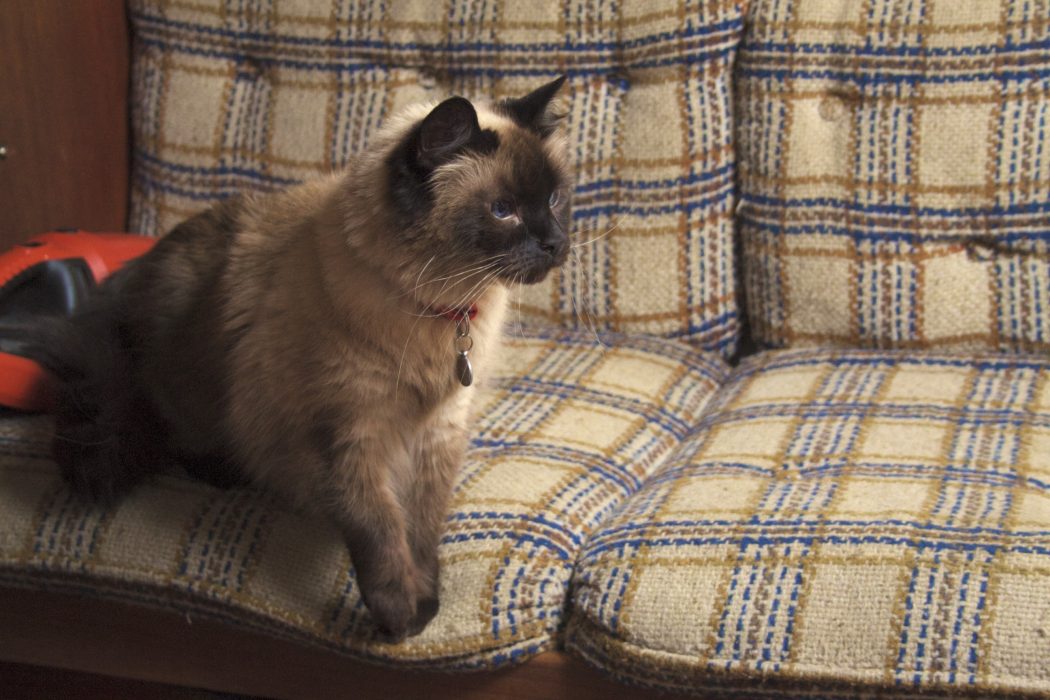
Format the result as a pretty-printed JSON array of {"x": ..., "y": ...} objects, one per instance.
[
  {"x": 425, "y": 612},
  {"x": 89, "y": 463},
  {"x": 394, "y": 621},
  {"x": 392, "y": 613}
]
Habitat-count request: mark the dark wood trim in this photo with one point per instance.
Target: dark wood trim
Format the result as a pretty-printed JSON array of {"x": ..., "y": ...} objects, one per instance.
[
  {"x": 94, "y": 636},
  {"x": 29, "y": 682}
]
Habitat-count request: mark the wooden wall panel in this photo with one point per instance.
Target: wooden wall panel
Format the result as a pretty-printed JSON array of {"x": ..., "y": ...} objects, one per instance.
[{"x": 63, "y": 116}]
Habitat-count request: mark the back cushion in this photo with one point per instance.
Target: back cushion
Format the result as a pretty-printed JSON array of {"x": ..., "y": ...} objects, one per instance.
[
  {"x": 895, "y": 173},
  {"x": 233, "y": 97}
]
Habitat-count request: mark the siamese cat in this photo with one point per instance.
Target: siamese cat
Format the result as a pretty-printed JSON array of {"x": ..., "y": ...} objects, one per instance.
[{"x": 322, "y": 342}]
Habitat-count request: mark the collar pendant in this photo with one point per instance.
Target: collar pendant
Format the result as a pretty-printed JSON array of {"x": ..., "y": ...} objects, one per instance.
[{"x": 463, "y": 344}]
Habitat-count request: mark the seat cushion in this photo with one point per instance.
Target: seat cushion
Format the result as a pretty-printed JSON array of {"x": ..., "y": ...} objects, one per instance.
[
  {"x": 228, "y": 98},
  {"x": 860, "y": 520},
  {"x": 566, "y": 432},
  {"x": 894, "y": 173}
]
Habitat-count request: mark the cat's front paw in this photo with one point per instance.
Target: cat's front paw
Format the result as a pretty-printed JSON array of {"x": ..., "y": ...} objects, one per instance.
[
  {"x": 400, "y": 615},
  {"x": 393, "y": 612},
  {"x": 90, "y": 462},
  {"x": 426, "y": 610}
]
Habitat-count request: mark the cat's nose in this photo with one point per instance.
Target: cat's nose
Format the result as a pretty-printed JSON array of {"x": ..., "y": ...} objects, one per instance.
[{"x": 557, "y": 247}]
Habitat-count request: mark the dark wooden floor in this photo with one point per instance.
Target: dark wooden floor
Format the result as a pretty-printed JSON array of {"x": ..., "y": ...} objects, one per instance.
[{"x": 26, "y": 682}]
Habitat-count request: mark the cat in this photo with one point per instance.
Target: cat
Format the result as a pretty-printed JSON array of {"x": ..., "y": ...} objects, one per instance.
[{"x": 322, "y": 342}]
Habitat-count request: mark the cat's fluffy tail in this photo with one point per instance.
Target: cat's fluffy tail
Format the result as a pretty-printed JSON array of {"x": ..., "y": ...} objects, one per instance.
[{"x": 102, "y": 433}]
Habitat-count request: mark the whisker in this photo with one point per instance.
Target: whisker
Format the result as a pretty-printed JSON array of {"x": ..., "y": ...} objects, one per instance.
[
  {"x": 469, "y": 297},
  {"x": 589, "y": 321},
  {"x": 411, "y": 330},
  {"x": 596, "y": 238},
  {"x": 404, "y": 351},
  {"x": 418, "y": 278},
  {"x": 484, "y": 284},
  {"x": 486, "y": 263},
  {"x": 519, "y": 280},
  {"x": 483, "y": 264},
  {"x": 423, "y": 269},
  {"x": 486, "y": 271},
  {"x": 488, "y": 275}
]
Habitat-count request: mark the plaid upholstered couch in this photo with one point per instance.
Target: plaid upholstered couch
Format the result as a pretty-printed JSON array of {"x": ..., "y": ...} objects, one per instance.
[{"x": 782, "y": 424}]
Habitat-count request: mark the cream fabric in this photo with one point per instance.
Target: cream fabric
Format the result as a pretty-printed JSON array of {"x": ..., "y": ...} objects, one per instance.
[
  {"x": 256, "y": 96},
  {"x": 841, "y": 517},
  {"x": 567, "y": 431},
  {"x": 895, "y": 182}
]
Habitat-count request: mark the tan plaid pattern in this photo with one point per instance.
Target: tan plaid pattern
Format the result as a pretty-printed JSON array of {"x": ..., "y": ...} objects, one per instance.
[
  {"x": 256, "y": 95},
  {"x": 895, "y": 176},
  {"x": 850, "y": 517},
  {"x": 566, "y": 433}
]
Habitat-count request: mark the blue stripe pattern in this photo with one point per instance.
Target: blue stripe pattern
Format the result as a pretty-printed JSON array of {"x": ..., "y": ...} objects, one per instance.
[
  {"x": 253, "y": 97},
  {"x": 895, "y": 185},
  {"x": 894, "y": 498},
  {"x": 564, "y": 438}
]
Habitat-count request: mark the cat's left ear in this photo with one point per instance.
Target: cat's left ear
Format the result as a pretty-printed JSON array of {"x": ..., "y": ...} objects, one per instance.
[
  {"x": 533, "y": 111},
  {"x": 449, "y": 127}
]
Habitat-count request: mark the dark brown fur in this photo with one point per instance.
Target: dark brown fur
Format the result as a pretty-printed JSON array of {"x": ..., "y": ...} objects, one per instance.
[{"x": 293, "y": 340}]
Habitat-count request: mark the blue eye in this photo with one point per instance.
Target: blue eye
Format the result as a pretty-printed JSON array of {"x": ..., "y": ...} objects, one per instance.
[
  {"x": 502, "y": 209},
  {"x": 555, "y": 198}
]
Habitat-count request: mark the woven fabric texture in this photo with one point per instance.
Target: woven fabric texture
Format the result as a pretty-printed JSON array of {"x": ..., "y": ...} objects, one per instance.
[
  {"x": 895, "y": 173},
  {"x": 567, "y": 432},
  {"x": 856, "y": 517},
  {"x": 233, "y": 97}
]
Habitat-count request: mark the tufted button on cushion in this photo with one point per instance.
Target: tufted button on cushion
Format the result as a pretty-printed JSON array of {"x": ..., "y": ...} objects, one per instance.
[
  {"x": 858, "y": 215},
  {"x": 832, "y": 108},
  {"x": 648, "y": 105}
]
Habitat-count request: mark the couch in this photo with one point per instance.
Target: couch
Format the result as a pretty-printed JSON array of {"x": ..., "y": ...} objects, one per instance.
[{"x": 780, "y": 427}]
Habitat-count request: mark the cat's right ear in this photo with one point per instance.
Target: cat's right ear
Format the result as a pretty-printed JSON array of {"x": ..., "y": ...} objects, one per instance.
[{"x": 448, "y": 128}]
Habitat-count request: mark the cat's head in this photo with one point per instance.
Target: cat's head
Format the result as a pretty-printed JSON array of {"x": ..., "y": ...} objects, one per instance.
[{"x": 482, "y": 190}]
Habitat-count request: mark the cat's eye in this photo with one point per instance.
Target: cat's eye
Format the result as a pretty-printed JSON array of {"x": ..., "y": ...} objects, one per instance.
[
  {"x": 502, "y": 209},
  {"x": 554, "y": 198}
]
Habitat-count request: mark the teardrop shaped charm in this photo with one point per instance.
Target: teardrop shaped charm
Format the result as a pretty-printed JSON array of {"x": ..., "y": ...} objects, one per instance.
[{"x": 464, "y": 372}]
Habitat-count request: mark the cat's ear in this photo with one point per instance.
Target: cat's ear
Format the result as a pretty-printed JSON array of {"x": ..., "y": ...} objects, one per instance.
[
  {"x": 446, "y": 130},
  {"x": 533, "y": 111}
]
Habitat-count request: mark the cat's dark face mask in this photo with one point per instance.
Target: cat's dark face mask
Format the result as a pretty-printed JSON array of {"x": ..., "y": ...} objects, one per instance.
[
  {"x": 518, "y": 212},
  {"x": 496, "y": 198},
  {"x": 530, "y": 230}
]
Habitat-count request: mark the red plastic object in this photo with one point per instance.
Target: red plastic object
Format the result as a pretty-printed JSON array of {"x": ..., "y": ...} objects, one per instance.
[
  {"x": 104, "y": 253},
  {"x": 24, "y": 384}
]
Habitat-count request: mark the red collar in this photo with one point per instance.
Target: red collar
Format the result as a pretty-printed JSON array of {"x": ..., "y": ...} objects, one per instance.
[{"x": 456, "y": 314}]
